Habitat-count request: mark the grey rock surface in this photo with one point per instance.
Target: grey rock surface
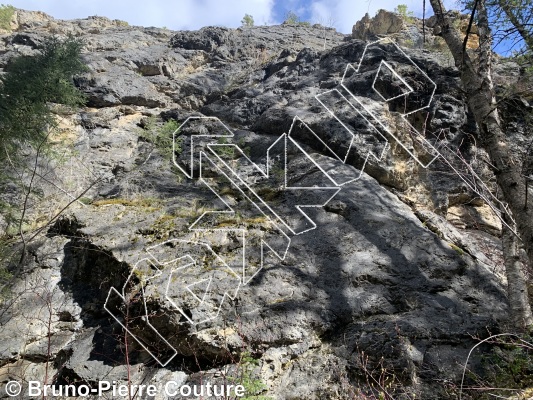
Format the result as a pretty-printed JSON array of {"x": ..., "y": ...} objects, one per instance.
[{"x": 395, "y": 277}]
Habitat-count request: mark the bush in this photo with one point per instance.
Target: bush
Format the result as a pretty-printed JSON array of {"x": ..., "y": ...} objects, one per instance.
[
  {"x": 247, "y": 20},
  {"x": 225, "y": 152},
  {"x": 28, "y": 88},
  {"x": 510, "y": 365},
  {"x": 6, "y": 13},
  {"x": 161, "y": 136}
]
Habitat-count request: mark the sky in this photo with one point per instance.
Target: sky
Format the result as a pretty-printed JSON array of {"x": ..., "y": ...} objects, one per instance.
[{"x": 194, "y": 14}]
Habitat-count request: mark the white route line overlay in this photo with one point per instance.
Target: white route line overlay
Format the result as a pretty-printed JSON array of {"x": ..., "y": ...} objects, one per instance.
[
  {"x": 123, "y": 296},
  {"x": 475, "y": 184}
]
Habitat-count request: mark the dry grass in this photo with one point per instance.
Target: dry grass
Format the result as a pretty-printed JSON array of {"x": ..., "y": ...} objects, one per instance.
[{"x": 149, "y": 203}]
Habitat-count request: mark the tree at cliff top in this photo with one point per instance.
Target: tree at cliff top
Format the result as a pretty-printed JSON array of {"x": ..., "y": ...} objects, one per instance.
[{"x": 476, "y": 77}]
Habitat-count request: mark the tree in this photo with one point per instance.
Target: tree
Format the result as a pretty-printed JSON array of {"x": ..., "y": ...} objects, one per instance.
[
  {"x": 291, "y": 18},
  {"x": 520, "y": 15},
  {"x": 29, "y": 87},
  {"x": 511, "y": 21},
  {"x": 247, "y": 21},
  {"x": 476, "y": 78},
  {"x": 326, "y": 22},
  {"x": 401, "y": 10}
]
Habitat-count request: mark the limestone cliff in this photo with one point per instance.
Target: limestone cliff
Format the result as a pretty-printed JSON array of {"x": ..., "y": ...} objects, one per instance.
[{"x": 391, "y": 281}]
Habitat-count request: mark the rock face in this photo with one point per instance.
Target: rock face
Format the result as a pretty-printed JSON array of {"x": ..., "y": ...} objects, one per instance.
[
  {"x": 389, "y": 277},
  {"x": 410, "y": 31},
  {"x": 384, "y": 23}
]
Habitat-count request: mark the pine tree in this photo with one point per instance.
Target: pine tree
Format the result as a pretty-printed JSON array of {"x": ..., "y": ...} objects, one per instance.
[{"x": 28, "y": 88}]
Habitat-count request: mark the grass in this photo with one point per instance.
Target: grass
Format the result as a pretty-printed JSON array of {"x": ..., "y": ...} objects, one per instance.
[
  {"x": 249, "y": 222},
  {"x": 6, "y": 14},
  {"x": 457, "y": 249},
  {"x": 148, "y": 202},
  {"x": 193, "y": 211},
  {"x": 163, "y": 226}
]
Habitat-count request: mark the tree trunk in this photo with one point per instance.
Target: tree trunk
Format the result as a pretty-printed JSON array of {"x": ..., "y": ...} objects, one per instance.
[
  {"x": 520, "y": 314},
  {"x": 477, "y": 83}
]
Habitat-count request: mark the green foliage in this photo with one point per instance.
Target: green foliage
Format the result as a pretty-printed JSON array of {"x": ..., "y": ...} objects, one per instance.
[
  {"x": 247, "y": 150},
  {"x": 5, "y": 257},
  {"x": 247, "y": 20},
  {"x": 28, "y": 88},
  {"x": 403, "y": 12},
  {"x": 85, "y": 200},
  {"x": 225, "y": 152},
  {"x": 6, "y": 13},
  {"x": 10, "y": 215},
  {"x": 291, "y": 18},
  {"x": 509, "y": 366},
  {"x": 410, "y": 43},
  {"x": 457, "y": 249},
  {"x": 162, "y": 136},
  {"x": 510, "y": 22},
  {"x": 252, "y": 384}
]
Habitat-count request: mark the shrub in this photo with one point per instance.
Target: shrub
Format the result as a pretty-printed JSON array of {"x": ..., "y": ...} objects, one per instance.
[
  {"x": 120, "y": 22},
  {"x": 6, "y": 13},
  {"x": 161, "y": 136},
  {"x": 225, "y": 152},
  {"x": 506, "y": 368},
  {"x": 248, "y": 378},
  {"x": 247, "y": 20}
]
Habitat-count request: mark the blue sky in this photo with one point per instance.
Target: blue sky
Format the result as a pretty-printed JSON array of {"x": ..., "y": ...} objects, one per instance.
[{"x": 193, "y": 14}]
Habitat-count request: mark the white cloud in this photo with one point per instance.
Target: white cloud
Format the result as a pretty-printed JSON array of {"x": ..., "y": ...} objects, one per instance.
[
  {"x": 177, "y": 14},
  {"x": 193, "y": 14}
]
